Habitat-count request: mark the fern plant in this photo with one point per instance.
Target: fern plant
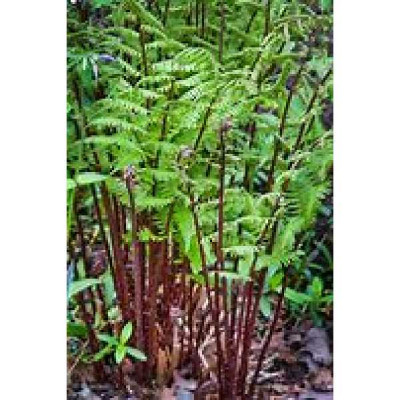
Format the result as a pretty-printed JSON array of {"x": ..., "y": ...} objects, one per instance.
[{"x": 194, "y": 131}]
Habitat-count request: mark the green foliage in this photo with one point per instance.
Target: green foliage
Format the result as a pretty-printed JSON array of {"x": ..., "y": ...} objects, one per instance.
[
  {"x": 184, "y": 221},
  {"x": 147, "y": 84},
  {"x": 118, "y": 346},
  {"x": 313, "y": 300},
  {"x": 265, "y": 306},
  {"x": 76, "y": 330},
  {"x": 81, "y": 285}
]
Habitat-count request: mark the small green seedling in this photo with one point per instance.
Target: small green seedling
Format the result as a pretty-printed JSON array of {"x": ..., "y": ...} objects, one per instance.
[
  {"x": 119, "y": 346},
  {"x": 313, "y": 300}
]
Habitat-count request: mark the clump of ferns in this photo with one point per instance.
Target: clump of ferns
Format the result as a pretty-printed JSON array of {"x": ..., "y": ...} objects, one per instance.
[{"x": 142, "y": 89}]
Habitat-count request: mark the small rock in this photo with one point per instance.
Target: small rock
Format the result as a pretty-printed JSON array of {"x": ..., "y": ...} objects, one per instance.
[{"x": 317, "y": 344}]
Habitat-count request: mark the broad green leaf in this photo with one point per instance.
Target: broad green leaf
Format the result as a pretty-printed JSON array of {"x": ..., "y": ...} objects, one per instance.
[
  {"x": 297, "y": 297},
  {"x": 108, "y": 339},
  {"x": 79, "y": 286},
  {"x": 75, "y": 329},
  {"x": 70, "y": 184},
  {"x": 317, "y": 286},
  {"x": 194, "y": 256},
  {"x": 109, "y": 290},
  {"x": 145, "y": 235},
  {"x": 86, "y": 75},
  {"x": 120, "y": 352},
  {"x": 113, "y": 313},
  {"x": 87, "y": 178},
  {"x": 102, "y": 353},
  {"x": 126, "y": 332},
  {"x": 184, "y": 221},
  {"x": 326, "y": 5},
  {"x": 80, "y": 267},
  {"x": 327, "y": 299},
  {"x": 275, "y": 281},
  {"x": 210, "y": 256},
  {"x": 245, "y": 263},
  {"x": 135, "y": 353},
  {"x": 101, "y": 3}
]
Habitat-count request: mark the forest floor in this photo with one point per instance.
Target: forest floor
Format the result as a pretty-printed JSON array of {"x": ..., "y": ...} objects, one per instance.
[{"x": 299, "y": 367}]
